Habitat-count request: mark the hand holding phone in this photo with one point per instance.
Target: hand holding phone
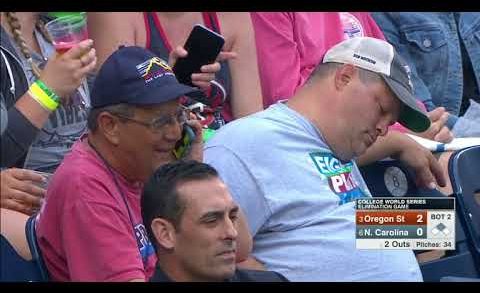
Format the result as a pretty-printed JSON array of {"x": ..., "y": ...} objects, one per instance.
[
  {"x": 203, "y": 46},
  {"x": 183, "y": 145}
]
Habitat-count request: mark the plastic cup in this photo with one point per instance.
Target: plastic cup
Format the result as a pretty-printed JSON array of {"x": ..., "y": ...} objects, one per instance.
[
  {"x": 67, "y": 31},
  {"x": 47, "y": 177},
  {"x": 61, "y": 14}
]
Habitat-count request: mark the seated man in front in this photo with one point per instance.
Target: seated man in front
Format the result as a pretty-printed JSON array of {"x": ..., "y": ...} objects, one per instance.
[{"x": 192, "y": 221}]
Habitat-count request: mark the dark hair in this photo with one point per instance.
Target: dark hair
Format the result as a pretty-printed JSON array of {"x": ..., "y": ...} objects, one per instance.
[
  {"x": 160, "y": 198},
  {"x": 122, "y": 109}
]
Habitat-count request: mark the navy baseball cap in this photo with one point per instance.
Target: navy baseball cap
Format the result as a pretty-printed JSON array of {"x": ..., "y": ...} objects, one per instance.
[{"x": 134, "y": 75}]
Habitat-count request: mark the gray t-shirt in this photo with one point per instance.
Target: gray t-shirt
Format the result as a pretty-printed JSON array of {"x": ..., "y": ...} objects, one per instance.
[
  {"x": 64, "y": 126},
  {"x": 299, "y": 200}
]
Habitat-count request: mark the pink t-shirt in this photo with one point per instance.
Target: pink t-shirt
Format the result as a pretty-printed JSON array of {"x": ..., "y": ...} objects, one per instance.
[
  {"x": 291, "y": 44},
  {"x": 84, "y": 230}
]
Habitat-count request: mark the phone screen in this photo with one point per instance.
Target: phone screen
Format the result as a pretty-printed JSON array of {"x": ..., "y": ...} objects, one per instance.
[
  {"x": 183, "y": 145},
  {"x": 203, "y": 47}
]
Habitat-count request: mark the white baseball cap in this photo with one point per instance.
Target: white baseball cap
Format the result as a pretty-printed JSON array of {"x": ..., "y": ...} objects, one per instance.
[{"x": 380, "y": 57}]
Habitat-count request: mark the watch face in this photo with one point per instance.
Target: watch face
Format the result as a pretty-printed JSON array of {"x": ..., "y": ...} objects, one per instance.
[{"x": 395, "y": 181}]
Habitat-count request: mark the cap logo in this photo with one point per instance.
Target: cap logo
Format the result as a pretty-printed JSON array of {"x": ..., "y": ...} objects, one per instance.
[
  {"x": 364, "y": 58},
  {"x": 153, "y": 68}
]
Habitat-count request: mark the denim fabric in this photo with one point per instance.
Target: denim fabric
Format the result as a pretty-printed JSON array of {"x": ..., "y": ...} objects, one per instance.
[
  {"x": 469, "y": 124},
  {"x": 430, "y": 43}
]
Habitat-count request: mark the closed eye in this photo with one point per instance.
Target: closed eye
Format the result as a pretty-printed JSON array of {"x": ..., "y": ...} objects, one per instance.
[
  {"x": 385, "y": 113},
  {"x": 234, "y": 214},
  {"x": 382, "y": 110},
  {"x": 211, "y": 217},
  {"x": 210, "y": 220},
  {"x": 234, "y": 217}
]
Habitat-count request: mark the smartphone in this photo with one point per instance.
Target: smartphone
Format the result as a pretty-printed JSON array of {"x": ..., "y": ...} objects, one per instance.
[
  {"x": 203, "y": 46},
  {"x": 183, "y": 145}
]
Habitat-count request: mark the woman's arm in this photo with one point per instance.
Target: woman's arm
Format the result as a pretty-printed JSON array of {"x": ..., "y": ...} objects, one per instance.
[
  {"x": 62, "y": 74},
  {"x": 246, "y": 92},
  {"x": 109, "y": 30}
]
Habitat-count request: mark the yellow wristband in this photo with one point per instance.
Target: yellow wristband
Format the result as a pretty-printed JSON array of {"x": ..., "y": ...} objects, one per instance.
[
  {"x": 38, "y": 101},
  {"x": 43, "y": 98},
  {"x": 47, "y": 90}
]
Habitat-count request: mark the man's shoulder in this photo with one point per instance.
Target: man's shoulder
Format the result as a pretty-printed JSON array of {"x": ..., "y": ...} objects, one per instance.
[
  {"x": 260, "y": 120},
  {"x": 81, "y": 162},
  {"x": 80, "y": 169},
  {"x": 257, "y": 127},
  {"x": 242, "y": 275}
]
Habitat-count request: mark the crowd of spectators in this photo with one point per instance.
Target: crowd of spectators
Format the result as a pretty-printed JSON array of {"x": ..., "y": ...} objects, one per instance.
[{"x": 297, "y": 102}]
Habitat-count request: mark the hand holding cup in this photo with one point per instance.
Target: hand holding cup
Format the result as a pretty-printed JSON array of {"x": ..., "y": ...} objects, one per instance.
[{"x": 75, "y": 56}]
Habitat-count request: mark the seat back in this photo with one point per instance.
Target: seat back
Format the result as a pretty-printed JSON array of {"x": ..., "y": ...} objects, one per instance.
[
  {"x": 393, "y": 178},
  {"x": 464, "y": 170},
  {"x": 458, "y": 263},
  {"x": 35, "y": 249},
  {"x": 14, "y": 268}
]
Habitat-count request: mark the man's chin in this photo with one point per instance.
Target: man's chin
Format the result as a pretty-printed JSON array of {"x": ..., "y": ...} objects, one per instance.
[
  {"x": 359, "y": 151},
  {"x": 227, "y": 273}
]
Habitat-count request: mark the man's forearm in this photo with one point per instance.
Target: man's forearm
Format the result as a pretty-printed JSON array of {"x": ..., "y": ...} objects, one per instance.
[{"x": 383, "y": 147}]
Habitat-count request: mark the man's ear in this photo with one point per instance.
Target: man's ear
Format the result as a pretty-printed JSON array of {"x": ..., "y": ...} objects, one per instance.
[
  {"x": 109, "y": 126},
  {"x": 164, "y": 233},
  {"x": 344, "y": 75}
]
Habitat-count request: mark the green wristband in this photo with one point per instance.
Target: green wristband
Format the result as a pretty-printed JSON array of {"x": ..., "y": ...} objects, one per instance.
[{"x": 48, "y": 91}]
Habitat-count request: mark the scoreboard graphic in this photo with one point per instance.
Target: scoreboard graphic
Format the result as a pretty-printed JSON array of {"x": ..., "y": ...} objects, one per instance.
[{"x": 420, "y": 223}]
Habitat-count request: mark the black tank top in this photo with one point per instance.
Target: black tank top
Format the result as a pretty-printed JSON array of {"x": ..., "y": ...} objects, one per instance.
[{"x": 218, "y": 97}]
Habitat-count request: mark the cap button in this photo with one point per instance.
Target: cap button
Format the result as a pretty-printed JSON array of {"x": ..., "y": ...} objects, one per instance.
[{"x": 427, "y": 43}]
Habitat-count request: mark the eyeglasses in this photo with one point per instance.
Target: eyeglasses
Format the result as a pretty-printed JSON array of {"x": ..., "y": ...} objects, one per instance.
[{"x": 157, "y": 124}]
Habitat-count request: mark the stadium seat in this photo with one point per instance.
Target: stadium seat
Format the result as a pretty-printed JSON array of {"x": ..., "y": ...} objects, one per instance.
[
  {"x": 455, "y": 264},
  {"x": 390, "y": 178},
  {"x": 463, "y": 264},
  {"x": 464, "y": 170}
]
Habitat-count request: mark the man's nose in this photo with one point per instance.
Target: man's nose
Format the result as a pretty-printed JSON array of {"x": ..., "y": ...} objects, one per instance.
[
  {"x": 382, "y": 128},
  {"x": 230, "y": 230}
]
